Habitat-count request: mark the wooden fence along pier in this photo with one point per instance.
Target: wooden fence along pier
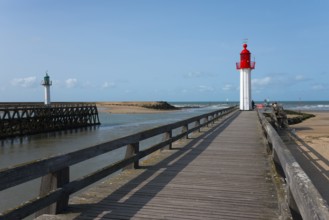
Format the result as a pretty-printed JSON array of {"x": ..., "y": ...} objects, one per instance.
[
  {"x": 215, "y": 166},
  {"x": 17, "y": 119}
]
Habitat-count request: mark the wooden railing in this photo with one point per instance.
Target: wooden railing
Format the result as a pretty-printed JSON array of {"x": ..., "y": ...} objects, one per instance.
[
  {"x": 302, "y": 196},
  {"x": 56, "y": 186}
]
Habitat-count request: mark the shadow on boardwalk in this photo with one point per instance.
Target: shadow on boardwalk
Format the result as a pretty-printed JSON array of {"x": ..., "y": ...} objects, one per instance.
[
  {"x": 130, "y": 198},
  {"x": 314, "y": 164}
]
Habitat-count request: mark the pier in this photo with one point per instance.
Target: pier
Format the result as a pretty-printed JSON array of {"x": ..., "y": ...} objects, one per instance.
[
  {"x": 221, "y": 174},
  {"x": 18, "y": 119},
  {"x": 227, "y": 164}
]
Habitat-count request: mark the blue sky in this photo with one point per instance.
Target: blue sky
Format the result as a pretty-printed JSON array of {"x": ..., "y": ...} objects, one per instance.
[{"x": 170, "y": 50}]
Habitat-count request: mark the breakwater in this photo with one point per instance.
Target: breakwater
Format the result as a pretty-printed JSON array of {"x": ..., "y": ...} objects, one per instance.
[{"x": 18, "y": 119}]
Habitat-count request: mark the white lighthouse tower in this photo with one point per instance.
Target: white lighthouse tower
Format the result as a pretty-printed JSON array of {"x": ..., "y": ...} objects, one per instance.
[
  {"x": 47, "y": 83},
  {"x": 245, "y": 66}
]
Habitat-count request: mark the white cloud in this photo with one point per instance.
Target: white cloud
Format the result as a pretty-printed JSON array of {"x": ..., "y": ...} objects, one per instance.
[
  {"x": 261, "y": 82},
  {"x": 108, "y": 85},
  {"x": 227, "y": 87},
  {"x": 299, "y": 78},
  {"x": 88, "y": 85},
  {"x": 203, "y": 88},
  {"x": 319, "y": 87},
  {"x": 197, "y": 75},
  {"x": 70, "y": 83},
  {"x": 27, "y": 82}
]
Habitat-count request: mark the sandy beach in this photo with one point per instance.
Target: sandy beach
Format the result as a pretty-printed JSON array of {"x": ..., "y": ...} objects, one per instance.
[
  {"x": 310, "y": 147},
  {"x": 315, "y": 132},
  {"x": 134, "y": 107}
]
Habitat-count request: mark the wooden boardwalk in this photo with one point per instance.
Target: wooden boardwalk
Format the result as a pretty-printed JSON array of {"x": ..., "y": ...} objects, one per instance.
[{"x": 221, "y": 174}]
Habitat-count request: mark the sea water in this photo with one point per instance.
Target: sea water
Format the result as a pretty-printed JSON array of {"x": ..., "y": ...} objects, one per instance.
[
  {"x": 291, "y": 105},
  {"x": 306, "y": 105}
]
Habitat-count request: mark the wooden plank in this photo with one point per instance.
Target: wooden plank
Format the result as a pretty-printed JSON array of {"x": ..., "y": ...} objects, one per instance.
[{"x": 214, "y": 176}]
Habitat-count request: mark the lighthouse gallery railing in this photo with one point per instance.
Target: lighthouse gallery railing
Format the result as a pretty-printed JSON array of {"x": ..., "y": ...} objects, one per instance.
[{"x": 252, "y": 65}]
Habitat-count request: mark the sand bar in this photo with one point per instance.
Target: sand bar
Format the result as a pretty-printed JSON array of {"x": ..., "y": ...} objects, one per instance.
[
  {"x": 315, "y": 132},
  {"x": 135, "y": 107},
  {"x": 311, "y": 149}
]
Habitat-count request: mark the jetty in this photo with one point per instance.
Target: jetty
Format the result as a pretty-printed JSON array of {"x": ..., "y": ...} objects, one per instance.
[
  {"x": 19, "y": 119},
  {"x": 226, "y": 164},
  {"x": 213, "y": 176}
]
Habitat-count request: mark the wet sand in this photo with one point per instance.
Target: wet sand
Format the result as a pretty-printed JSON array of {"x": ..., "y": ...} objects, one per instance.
[
  {"x": 133, "y": 107},
  {"x": 310, "y": 147},
  {"x": 315, "y": 132}
]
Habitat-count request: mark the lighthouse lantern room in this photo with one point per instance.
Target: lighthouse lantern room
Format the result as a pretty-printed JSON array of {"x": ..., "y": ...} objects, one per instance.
[
  {"x": 47, "y": 83},
  {"x": 245, "y": 66}
]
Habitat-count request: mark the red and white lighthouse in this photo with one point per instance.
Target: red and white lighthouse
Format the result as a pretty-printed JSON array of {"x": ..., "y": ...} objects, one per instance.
[{"x": 245, "y": 66}]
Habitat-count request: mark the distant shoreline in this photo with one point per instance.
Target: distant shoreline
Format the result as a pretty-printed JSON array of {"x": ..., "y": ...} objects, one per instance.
[{"x": 135, "y": 107}]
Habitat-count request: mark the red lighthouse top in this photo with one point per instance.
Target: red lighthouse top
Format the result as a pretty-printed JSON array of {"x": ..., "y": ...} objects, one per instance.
[{"x": 245, "y": 62}]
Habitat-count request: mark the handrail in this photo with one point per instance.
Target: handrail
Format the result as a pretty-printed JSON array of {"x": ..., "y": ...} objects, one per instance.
[
  {"x": 57, "y": 167},
  {"x": 301, "y": 191}
]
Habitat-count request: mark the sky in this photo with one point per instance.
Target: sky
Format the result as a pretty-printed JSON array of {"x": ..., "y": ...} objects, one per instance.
[{"x": 162, "y": 50}]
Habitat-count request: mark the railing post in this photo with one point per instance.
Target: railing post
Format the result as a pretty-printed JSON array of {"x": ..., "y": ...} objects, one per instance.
[
  {"x": 213, "y": 119},
  {"x": 219, "y": 114},
  {"x": 51, "y": 182},
  {"x": 185, "y": 129},
  {"x": 132, "y": 149},
  {"x": 197, "y": 123},
  {"x": 167, "y": 136},
  {"x": 136, "y": 151},
  {"x": 207, "y": 120}
]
